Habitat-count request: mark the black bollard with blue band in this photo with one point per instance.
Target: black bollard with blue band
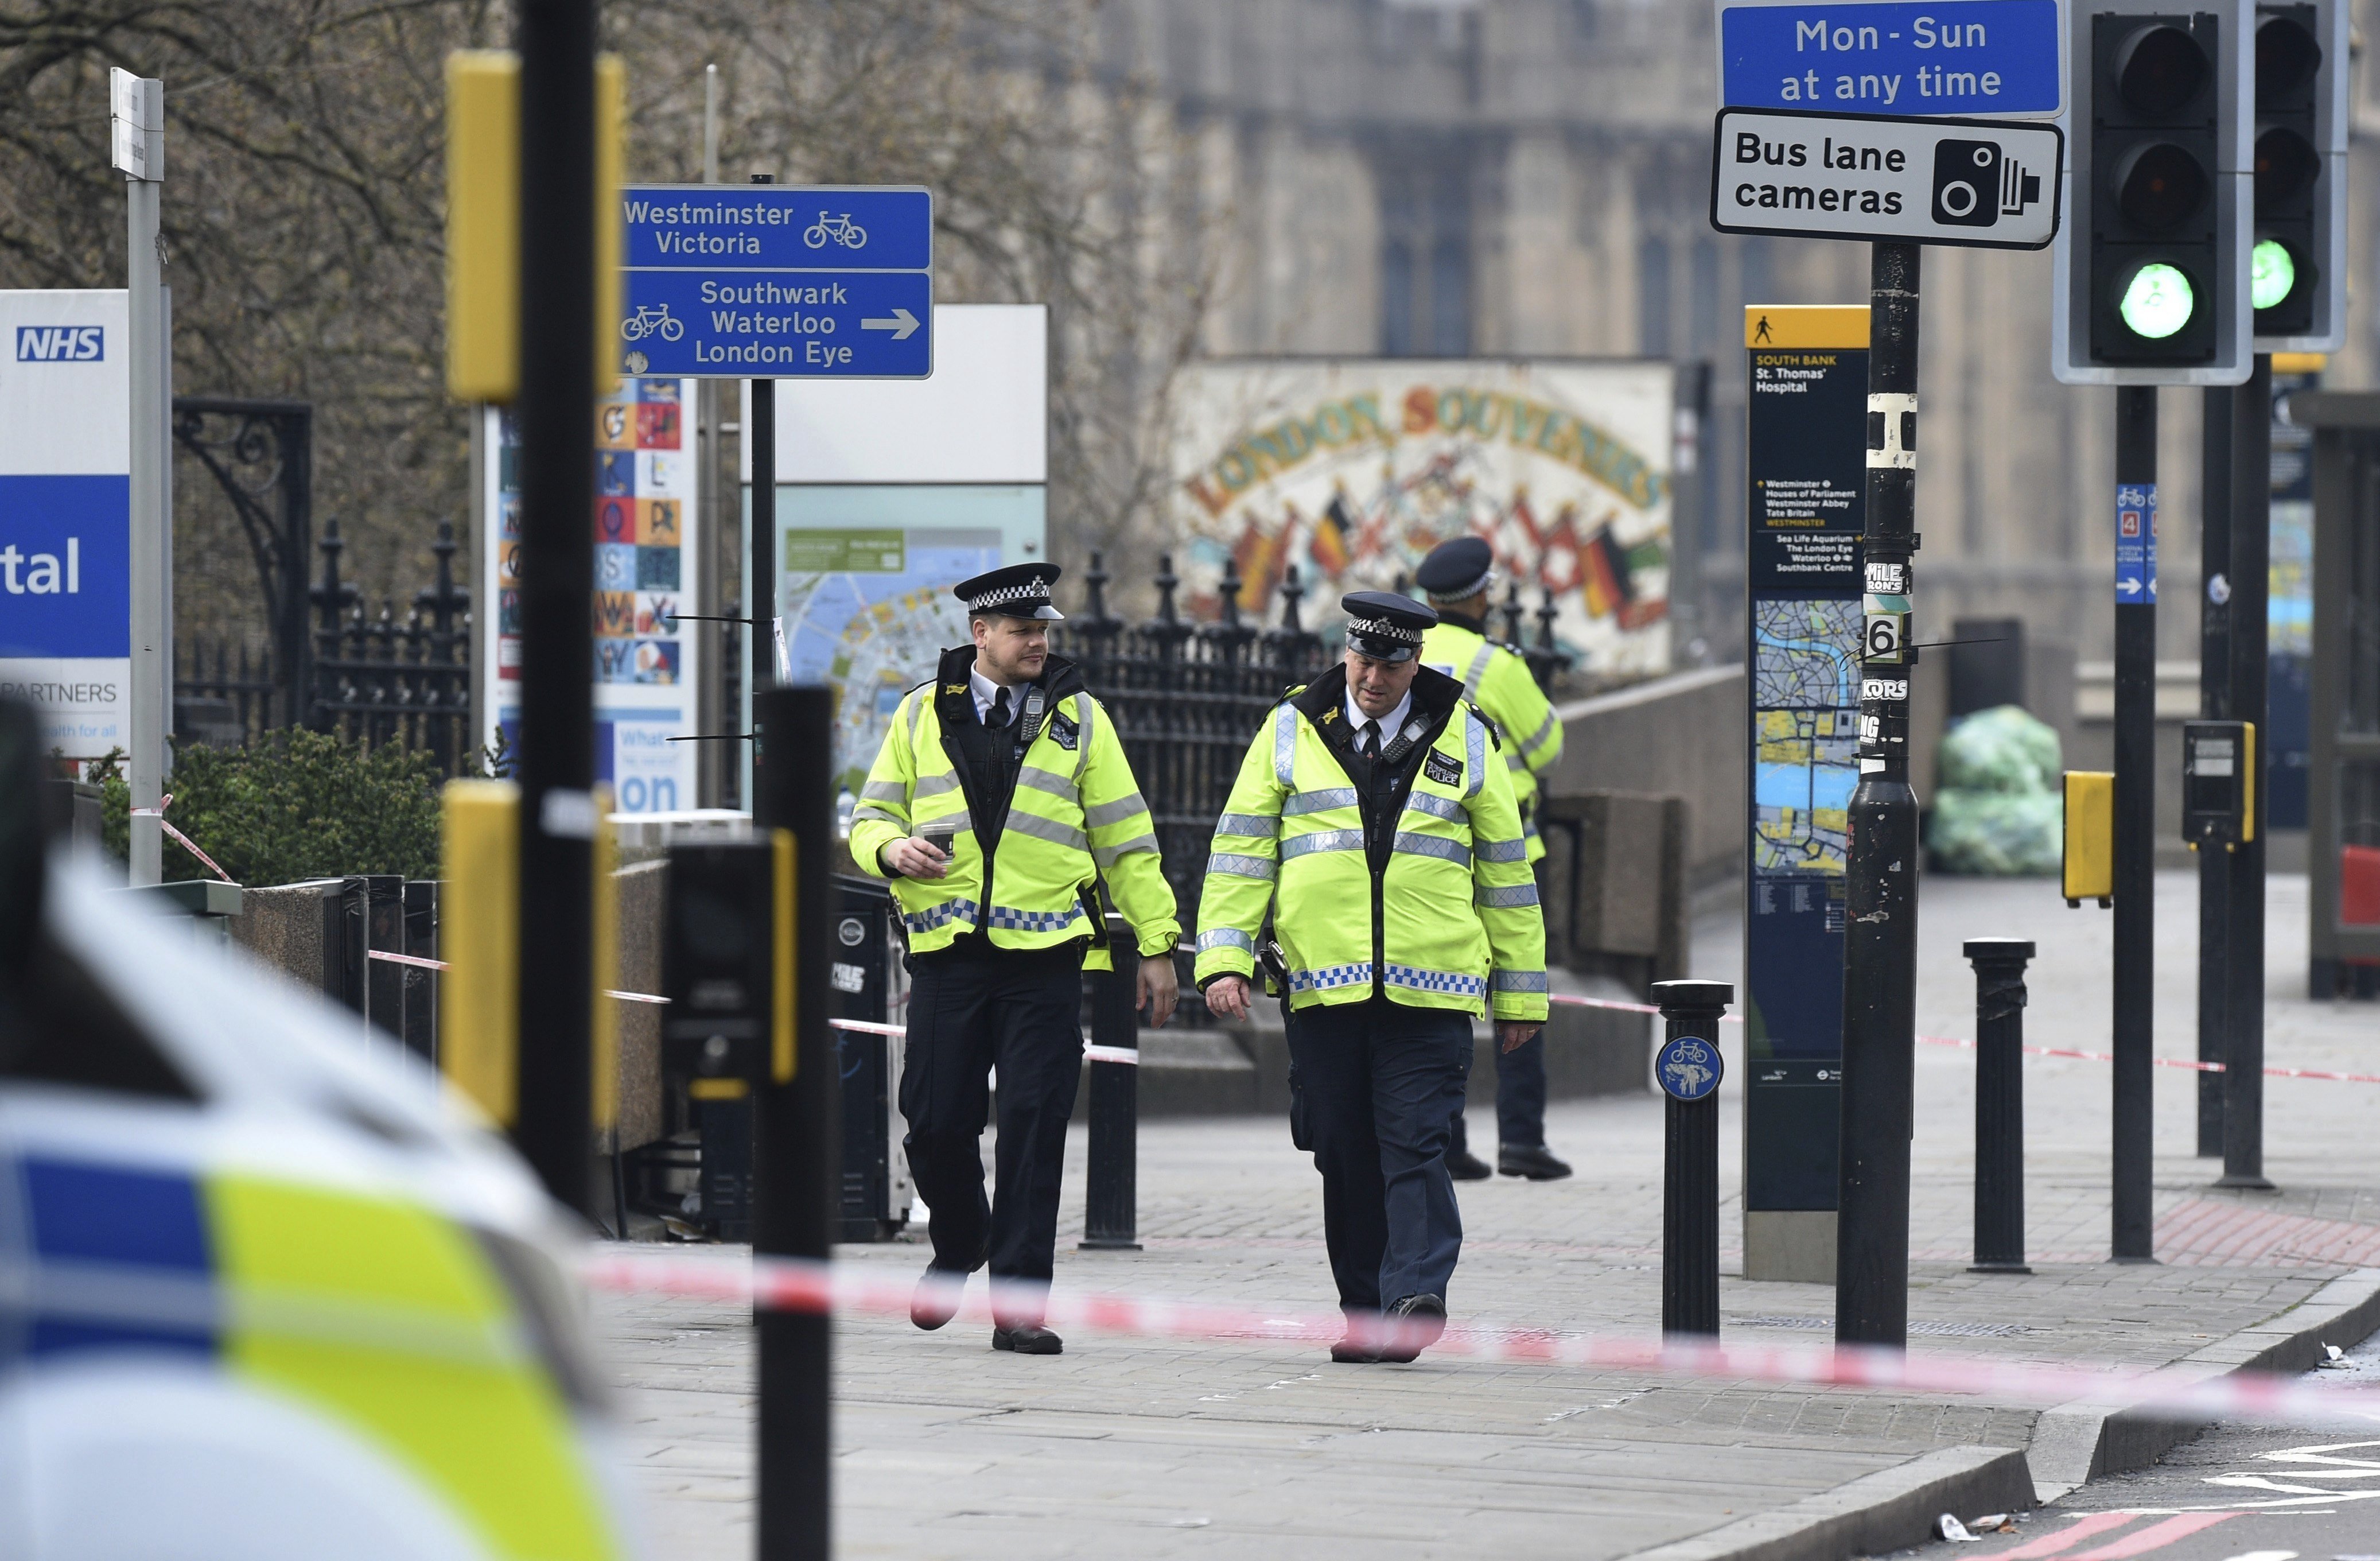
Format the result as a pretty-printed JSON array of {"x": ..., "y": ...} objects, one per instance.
[{"x": 1688, "y": 1071}]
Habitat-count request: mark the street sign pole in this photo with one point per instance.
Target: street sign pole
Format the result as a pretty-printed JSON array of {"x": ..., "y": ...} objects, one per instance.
[
  {"x": 136, "y": 140},
  {"x": 2252, "y": 520},
  {"x": 2214, "y": 704},
  {"x": 557, "y": 766},
  {"x": 1880, "y": 876},
  {"x": 760, "y": 548},
  {"x": 2133, "y": 982}
]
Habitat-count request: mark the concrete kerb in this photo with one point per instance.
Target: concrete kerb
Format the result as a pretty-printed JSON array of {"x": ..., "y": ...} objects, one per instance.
[
  {"x": 2074, "y": 1443},
  {"x": 1895, "y": 1508}
]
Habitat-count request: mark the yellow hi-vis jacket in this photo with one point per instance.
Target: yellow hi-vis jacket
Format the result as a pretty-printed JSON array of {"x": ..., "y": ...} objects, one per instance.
[
  {"x": 1077, "y": 815},
  {"x": 1429, "y": 903},
  {"x": 1496, "y": 678}
]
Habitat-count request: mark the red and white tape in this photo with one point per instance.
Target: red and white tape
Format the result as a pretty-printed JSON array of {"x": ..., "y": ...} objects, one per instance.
[{"x": 795, "y": 1284}]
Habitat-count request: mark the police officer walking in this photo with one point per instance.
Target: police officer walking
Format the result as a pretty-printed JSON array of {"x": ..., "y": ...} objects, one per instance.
[
  {"x": 1374, "y": 818},
  {"x": 1457, "y": 576},
  {"x": 1000, "y": 800}
]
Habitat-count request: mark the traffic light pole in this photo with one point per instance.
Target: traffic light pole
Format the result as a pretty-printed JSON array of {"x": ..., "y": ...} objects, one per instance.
[
  {"x": 557, "y": 766},
  {"x": 1880, "y": 879},
  {"x": 2135, "y": 884},
  {"x": 2252, "y": 507},
  {"x": 761, "y": 540},
  {"x": 2214, "y": 704},
  {"x": 796, "y": 1151}
]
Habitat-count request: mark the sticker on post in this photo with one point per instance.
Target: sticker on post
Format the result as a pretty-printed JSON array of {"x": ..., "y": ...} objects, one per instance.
[
  {"x": 1895, "y": 688},
  {"x": 1688, "y": 1068}
]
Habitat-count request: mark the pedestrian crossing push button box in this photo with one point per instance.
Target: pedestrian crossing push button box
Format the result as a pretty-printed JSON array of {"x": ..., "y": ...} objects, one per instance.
[
  {"x": 2088, "y": 871},
  {"x": 727, "y": 965},
  {"x": 2218, "y": 783}
]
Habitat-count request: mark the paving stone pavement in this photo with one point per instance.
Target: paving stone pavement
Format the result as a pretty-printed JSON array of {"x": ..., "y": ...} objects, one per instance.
[{"x": 1129, "y": 1447}]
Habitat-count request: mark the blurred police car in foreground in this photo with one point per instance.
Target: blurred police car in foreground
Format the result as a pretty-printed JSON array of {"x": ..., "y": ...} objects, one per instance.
[{"x": 264, "y": 1294}]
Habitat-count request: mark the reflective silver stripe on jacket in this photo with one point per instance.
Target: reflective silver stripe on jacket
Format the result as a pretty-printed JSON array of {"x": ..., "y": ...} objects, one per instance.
[
  {"x": 1536, "y": 739},
  {"x": 1318, "y": 801},
  {"x": 1225, "y": 937},
  {"x": 1507, "y": 898},
  {"x": 1284, "y": 744},
  {"x": 1436, "y": 807},
  {"x": 868, "y": 812},
  {"x": 1264, "y": 826},
  {"x": 1085, "y": 711},
  {"x": 1478, "y": 673},
  {"x": 1412, "y": 844},
  {"x": 1474, "y": 747},
  {"x": 1127, "y": 806},
  {"x": 1518, "y": 980},
  {"x": 1048, "y": 782},
  {"x": 1242, "y": 867},
  {"x": 886, "y": 791},
  {"x": 1047, "y": 829},
  {"x": 1322, "y": 840},
  {"x": 933, "y": 786},
  {"x": 1501, "y": 850},
  {"x": 1107, "y": 856}
]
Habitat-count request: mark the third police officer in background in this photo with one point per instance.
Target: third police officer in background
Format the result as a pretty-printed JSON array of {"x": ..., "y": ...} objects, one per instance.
[
  {"x": 1457, "y": 576},
  {"x": 1374, "y": 817}
]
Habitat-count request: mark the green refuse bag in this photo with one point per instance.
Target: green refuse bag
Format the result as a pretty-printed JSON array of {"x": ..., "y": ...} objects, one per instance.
[{"x": 1998, "y": 809}]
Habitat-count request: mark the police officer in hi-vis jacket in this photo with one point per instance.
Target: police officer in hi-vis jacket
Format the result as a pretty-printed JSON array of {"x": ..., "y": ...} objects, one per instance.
[
  {"x": 998, "y": 802},
  {"x": 1374, "y": 819}
]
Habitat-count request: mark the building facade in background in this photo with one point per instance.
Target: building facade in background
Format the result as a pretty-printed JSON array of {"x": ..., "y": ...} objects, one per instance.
[{"x": 1526, "y": 178}]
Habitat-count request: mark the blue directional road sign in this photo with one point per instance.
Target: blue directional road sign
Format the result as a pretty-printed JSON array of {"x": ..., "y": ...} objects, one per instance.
[
  {"x": 2136, "y": 541},
  {"x": 1995, "y": 58},
  {"x": 778, "y": 282}
]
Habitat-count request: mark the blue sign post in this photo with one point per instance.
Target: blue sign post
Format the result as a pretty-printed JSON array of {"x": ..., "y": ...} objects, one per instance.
[
  {"x": 778, "y": 282},
  {"x": 1996, "y": 58}
]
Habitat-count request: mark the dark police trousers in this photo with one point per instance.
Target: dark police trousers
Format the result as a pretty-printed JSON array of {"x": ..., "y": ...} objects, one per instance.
[
  {"x": 970, "y": 1009},
  {"x": 1376, "y": 1089},
  {"x": 1520, "y": 1087}
]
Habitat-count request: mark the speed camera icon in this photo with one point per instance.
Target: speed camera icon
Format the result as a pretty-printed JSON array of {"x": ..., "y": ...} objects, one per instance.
[{"x": 1974, "y": 186}]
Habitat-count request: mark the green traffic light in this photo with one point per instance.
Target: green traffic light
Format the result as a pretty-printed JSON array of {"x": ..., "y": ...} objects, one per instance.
[
  {"x": 2157, "y": 301},
  {"x": 2272, "y": 272}
]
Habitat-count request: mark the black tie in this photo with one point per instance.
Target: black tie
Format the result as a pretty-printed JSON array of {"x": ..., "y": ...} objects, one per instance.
[
  {"x": 1371, "y": 739},
  {"x": 999, "y": 716}
]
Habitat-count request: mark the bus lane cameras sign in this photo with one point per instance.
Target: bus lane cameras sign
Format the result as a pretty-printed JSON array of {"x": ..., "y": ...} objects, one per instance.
[{"x": 1981, "y": 183}]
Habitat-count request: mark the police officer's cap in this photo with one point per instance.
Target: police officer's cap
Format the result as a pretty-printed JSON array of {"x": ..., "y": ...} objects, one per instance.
[
  {"x": 1457, "y": 570},
  {"x": 1016, "y": 591},
  {"x": 1383, "y": 625}
]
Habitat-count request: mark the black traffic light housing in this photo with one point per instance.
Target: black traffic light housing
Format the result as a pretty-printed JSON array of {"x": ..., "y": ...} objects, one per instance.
[
  {"x": 2151, "y": 270},
  {"x": 2297, "y": 247},
  {"x": 727, "y": 965}
]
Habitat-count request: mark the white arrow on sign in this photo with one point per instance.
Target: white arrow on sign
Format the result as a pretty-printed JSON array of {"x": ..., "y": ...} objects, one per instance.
[
  {"x": 2129, "y": 587},
  {"x": 900, "y": 322}
]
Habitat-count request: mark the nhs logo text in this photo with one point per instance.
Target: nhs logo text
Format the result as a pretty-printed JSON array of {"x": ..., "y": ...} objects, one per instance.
[{"x": 60, "y": 344}]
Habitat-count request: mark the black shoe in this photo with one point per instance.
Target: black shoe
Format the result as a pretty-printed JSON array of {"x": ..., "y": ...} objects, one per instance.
[
  {"x": 1028, "y": 1338},
  {"x": 1419, "y": 1319},
  {"x": 1347, "y": 1352},
  {"x": 936, "y": 1300},
  {"x": 1533, "y": 1161},
  {"x": 1464, "y": 1166}
]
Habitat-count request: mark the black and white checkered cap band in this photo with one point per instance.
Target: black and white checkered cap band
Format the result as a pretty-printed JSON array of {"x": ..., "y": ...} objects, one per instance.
[
  {"x": 1463, "y": 593},
  {"x": 1036, "y": 592},
  {"x": 1383, "y": 629}
]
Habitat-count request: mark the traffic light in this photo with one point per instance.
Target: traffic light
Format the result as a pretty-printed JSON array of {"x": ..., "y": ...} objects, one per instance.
[
  {"x": 2151, "y": 273},
  {"x": 2297, "y": 258}
]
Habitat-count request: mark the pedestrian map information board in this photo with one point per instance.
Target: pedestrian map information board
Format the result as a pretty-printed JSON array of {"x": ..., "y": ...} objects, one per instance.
[
  {"x": 66, "y": 495},
  {"x": 1997, "y": 57},
  {"x": 779, "y": 281},
  {"x": 1806, "y": 454},
  {"x": 646, "y": 557}
]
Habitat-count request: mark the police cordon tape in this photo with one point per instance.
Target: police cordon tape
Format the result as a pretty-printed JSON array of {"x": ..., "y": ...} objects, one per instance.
[
  {"x": 1129, "y": 1055},
  {"x": 807, "y": 1286}
]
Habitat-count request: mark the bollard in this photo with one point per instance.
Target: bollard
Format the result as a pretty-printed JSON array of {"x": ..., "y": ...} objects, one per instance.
[
  {"x": 1999, "y": 1103},
  {"x": 1688, "y": 1069},
  {"x": 1111, "y": 1188}
]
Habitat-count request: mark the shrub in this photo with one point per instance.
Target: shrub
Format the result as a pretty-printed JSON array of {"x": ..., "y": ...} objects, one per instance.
[{"x": 299, "y": 804}]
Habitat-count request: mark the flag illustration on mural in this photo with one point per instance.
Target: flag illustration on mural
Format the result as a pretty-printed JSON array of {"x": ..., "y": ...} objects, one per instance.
[
  {"x": 1329, "y": 549},
  {"x": 1260, "y": 555}
]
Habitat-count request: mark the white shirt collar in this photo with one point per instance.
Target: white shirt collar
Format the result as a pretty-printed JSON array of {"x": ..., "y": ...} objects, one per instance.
[
  {"x": 1391, "y": 724},
  {"x": 986, "y": 691}
]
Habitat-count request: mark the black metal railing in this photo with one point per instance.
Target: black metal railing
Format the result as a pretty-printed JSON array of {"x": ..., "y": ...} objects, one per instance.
[{"x": 375, "y": 678}]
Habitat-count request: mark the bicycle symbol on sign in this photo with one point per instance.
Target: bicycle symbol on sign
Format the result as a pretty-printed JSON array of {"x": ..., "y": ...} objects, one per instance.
[
  {"x": 841, "y": 229},
  {"x": 651, "y": 319}
]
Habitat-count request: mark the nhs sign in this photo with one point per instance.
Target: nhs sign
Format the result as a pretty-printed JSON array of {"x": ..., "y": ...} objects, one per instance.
[
  {"x": 66, "y": 516},
  {"x": 61, "y": 344}
]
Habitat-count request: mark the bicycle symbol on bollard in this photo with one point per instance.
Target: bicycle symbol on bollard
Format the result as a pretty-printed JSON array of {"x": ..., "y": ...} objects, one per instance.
[
  {"x": 1689, "y": 1067},
  {"x": 651, "y": 319},
  {"x": 841, "y": 229}
]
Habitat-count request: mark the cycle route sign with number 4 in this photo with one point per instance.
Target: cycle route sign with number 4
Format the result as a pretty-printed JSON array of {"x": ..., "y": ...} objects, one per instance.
[{"x": 762, "y": 281}]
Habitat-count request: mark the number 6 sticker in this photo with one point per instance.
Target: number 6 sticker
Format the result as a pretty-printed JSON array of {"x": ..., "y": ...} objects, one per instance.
[{"x": 1884, "y": 636}]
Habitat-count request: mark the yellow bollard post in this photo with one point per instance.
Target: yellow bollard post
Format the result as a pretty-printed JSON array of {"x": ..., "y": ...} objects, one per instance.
[{"x": 478, "y": 999}]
